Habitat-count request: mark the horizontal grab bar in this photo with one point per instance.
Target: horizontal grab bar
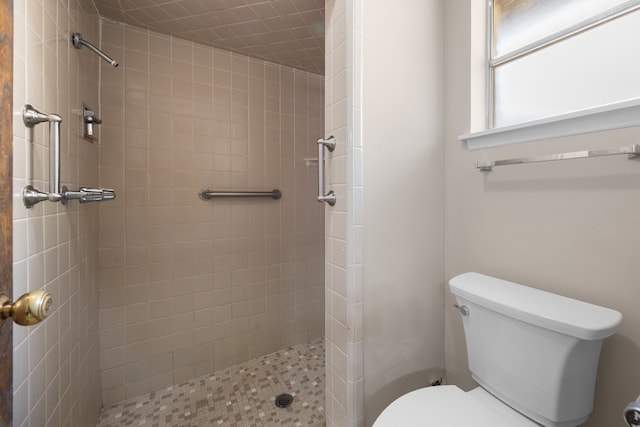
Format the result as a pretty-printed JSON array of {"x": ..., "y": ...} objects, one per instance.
[
  {"x": 631, "y": 150},
  {"x": 208, "y": 194}
]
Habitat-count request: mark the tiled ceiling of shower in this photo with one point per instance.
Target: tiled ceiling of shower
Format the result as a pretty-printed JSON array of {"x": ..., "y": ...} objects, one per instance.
[{"x": 288, "y": 32}]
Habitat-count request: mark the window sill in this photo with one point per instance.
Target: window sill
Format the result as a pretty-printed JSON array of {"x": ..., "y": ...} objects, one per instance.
[{"x": 607, "y": 117}]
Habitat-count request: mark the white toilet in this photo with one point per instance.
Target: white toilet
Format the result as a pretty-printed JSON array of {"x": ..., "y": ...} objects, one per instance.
[{"x": 534, "y": 354}]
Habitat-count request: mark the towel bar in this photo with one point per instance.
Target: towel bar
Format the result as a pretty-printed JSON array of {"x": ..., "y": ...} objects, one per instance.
[{"x": 631, "y": 150}]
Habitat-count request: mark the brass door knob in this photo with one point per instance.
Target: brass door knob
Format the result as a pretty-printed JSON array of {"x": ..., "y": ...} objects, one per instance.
[{"x": 29, "y": 309}]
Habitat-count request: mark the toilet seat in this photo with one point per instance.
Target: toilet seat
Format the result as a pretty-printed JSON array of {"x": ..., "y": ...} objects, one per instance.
[{"x": 449, "y": 406}]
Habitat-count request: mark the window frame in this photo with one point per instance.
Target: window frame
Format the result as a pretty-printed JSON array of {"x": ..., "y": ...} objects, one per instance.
[{"x": 602, "y": 117}]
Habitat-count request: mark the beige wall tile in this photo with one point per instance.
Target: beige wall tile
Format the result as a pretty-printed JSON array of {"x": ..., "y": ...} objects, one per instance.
[
  {"x": 196, "y": 271},
  {"x": 59, "y": 243}
]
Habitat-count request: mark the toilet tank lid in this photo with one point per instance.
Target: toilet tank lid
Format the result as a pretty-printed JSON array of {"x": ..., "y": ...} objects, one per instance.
[{"x": 544, "y": 309}]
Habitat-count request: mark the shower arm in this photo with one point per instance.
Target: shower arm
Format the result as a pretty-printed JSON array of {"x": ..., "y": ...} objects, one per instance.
[{"x": 78, "y": 42}]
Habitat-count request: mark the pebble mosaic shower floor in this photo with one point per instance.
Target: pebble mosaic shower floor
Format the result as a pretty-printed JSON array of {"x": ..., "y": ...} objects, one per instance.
[{"x": 241, "y": 396}]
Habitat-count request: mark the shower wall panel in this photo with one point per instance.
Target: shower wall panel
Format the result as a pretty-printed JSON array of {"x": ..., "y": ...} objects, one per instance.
[
  {"x": 56, "y": 369},
  {"x": 190, "y": 286}
]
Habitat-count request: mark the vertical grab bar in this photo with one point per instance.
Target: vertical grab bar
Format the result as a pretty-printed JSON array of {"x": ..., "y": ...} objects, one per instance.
[
  {"x": 330, "y": 197},
  {"x": 30, "y": 195}
]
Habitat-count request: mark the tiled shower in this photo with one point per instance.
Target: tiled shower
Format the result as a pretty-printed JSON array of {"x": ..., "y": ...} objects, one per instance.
[
  {"x": 190, "y": 286},
  {"x": 157, "y": 286}
]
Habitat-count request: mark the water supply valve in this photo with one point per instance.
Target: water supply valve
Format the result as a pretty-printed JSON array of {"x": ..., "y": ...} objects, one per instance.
[
  {"x": 632, "y": 413},
  {"x": 86, "y": 194}
]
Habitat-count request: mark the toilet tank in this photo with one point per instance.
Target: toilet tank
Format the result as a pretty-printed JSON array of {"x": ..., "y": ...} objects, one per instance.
[{"x": 536, "y": 351}]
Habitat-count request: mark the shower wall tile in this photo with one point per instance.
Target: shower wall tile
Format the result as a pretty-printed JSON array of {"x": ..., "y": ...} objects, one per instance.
[
  {"x": 190, "y": 286},
  {"x": 56, "y": 369},
  {"x": 343, "y": 222}
]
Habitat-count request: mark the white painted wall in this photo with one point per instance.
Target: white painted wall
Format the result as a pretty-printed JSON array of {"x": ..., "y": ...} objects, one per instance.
[
  {"x": 567, "y": 227},
  {"x": 403, "y": 274}
]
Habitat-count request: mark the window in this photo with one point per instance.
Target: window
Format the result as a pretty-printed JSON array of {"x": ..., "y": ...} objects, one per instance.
[{"x": 553, "y": 57}]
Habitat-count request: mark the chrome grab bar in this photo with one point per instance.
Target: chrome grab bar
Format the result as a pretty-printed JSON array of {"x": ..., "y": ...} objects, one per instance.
[
  {"x": 85, "y": 194},
  {"x": 208, "y": 194},
  {"x": 330, "y": 197},
  {"x": 31, "y": 195},
  {"x": 631, "y": 150}
]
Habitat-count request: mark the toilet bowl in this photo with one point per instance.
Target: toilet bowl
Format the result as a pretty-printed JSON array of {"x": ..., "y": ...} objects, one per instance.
[
  {"x": 505, "y": 326},
  {"x": 449, "y": 406}
]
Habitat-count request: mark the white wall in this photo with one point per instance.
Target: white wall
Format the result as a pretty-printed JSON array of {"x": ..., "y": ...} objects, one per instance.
[
  {"x": 403, "y": 199},
  {"x": 567, "y": 227}
]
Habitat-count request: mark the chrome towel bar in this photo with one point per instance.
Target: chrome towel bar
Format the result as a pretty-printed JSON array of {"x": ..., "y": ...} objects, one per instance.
[
  {"x": 631, "y": 150},
  {"x": 209, "y": 194}
]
